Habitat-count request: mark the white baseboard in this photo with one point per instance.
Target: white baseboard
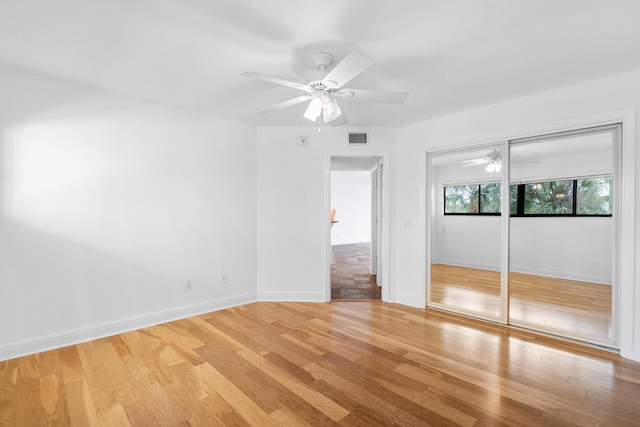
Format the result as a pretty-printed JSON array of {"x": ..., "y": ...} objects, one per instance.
[
  {"x": 581, "y": 277},
  {"x": 479, "y": 265},
  {"x": 65, "y": 338},
  {"x": 409, "y": 300},
  {"x": 292, "y": 296}
]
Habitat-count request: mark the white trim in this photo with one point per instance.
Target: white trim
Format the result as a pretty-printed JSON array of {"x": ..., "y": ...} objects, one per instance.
[
  {"x": 423, "y": 229},
  {"x": 386, "y": 221},
  {"x": 600, "y": 119},
  {"x": 459, "y": 263},
  {"x": 505, "y": 234},
  {"x": 591, "y": 278},
  {"x": 409, "y": 300},
  {"x": 291, "y": 296},
  {"x": 89, "y": 333},
  {"x": 626, "y": 244},
  {"x": 327, "y": 233},
  {"x": 373, "y": 266}
]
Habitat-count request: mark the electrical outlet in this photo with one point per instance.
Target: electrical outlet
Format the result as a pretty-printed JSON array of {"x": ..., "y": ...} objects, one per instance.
[
  {"x": 188, "y": 286},
  {"x": 224, "y": 278}
]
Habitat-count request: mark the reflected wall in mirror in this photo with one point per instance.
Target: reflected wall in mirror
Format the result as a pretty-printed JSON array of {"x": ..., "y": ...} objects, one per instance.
[
  {"x": 465, "y": 231},
  {"x": 561, "y": 236}
]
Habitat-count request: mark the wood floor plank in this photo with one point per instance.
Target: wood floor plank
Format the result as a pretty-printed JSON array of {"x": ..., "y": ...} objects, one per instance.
[
  {"x": 96, "y": 375},
  {"x": 82, "y": 412},
  {"x": 220, "y": 412},
  {"x": 71, "y": 364},
  {"x": 243, "y": 378},
  {"x": 324, "y": 404},
  {"x": 114, "y": 415},
  {"x": 285, "y": 417},
  {"x": 28, "y": 403},
  {"x": 213, "y": 381},
  {"x": 8, "y": 381},
  {"x": 139, "y": 414},
  {"x": 53, "y": 400},
  {"x": 361, "y": 398},
  {"x": 319, "y": 364},
  {"x": 157, "y": 399}
]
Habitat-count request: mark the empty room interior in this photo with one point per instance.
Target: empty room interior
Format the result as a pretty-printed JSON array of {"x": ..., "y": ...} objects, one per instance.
[{"x": 341, "y": 213}]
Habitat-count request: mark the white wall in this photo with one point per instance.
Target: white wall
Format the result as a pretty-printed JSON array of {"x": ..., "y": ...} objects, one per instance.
[
  {"x": 553, "y": 110},
  {"x": 109, "y": 206},
  {"x": 293, "y": 212},
  {"x": 351, "y": 197}
]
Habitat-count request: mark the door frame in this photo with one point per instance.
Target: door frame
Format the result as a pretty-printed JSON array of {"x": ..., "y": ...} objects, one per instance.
[
  {"x": 377, "y": 186},
  {"x": 383, "y": 277}
]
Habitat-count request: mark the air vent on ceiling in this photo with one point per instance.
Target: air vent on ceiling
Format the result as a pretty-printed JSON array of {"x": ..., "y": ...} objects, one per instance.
[{"x": 358, "y": 138}]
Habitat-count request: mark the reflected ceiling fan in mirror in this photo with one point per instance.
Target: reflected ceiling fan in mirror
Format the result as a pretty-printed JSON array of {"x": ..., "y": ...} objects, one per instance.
[
  {"x": 323, "y": 94},
  {"x": 492, "y": 159}
]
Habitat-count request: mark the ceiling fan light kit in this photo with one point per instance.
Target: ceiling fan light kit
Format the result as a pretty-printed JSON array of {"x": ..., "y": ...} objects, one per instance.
[
  {"x": 323, "y": 93},
  {"x": 495, "y": 166},
  {"x": 331, "y": 111},
  {"x": 314, "y": 109}
]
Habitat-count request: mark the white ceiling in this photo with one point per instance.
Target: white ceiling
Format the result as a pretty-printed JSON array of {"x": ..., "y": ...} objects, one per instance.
[{"x": 449, "y": 55}]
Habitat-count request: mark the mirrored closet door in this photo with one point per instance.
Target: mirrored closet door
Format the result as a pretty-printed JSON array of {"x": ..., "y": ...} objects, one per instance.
[
  {"x": 562, "y": 234},
  {"x": 548, "y": 264},
  {"x": 465, "y": 232}
]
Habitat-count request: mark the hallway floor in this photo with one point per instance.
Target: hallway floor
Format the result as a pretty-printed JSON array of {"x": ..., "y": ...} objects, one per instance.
[{"x": 350, "y": 278}]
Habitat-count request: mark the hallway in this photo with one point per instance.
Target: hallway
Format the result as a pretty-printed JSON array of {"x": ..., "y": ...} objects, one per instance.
[{"x": 350, "y": 278}]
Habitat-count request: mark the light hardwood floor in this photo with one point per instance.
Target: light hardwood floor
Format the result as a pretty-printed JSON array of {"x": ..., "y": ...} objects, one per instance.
[
  {"x": 576, "y": 309},
  {"x": 341, "y": 363}
]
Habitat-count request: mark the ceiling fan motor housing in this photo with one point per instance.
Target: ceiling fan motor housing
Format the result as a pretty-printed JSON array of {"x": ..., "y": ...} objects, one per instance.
[{"x": 322, "y": 60}]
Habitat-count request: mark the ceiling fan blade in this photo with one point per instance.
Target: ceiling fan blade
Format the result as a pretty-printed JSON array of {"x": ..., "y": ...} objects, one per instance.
[
  {"x": 373, "y": 96},
  {"x": 286, "y": 104},
  {"x": 352, "y": 65},
  {"x": 276, "y": 80},
  {"x": 475, "y": 162}
]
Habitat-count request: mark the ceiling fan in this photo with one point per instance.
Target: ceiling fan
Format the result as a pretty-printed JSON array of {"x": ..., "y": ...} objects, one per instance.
[
  {"x": 323, "y": 94},
  {"x": 492, "y": 159}
]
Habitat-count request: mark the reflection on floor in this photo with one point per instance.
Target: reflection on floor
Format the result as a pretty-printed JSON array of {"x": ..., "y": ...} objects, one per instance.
[
  {"x": 350, "y": 278},
  {"x": 571, "y": 308},
  {"x": 469, "y": 289}
]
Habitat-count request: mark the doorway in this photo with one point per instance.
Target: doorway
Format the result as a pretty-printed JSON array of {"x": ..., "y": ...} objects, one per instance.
[{"x": 356, "y": 227}]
